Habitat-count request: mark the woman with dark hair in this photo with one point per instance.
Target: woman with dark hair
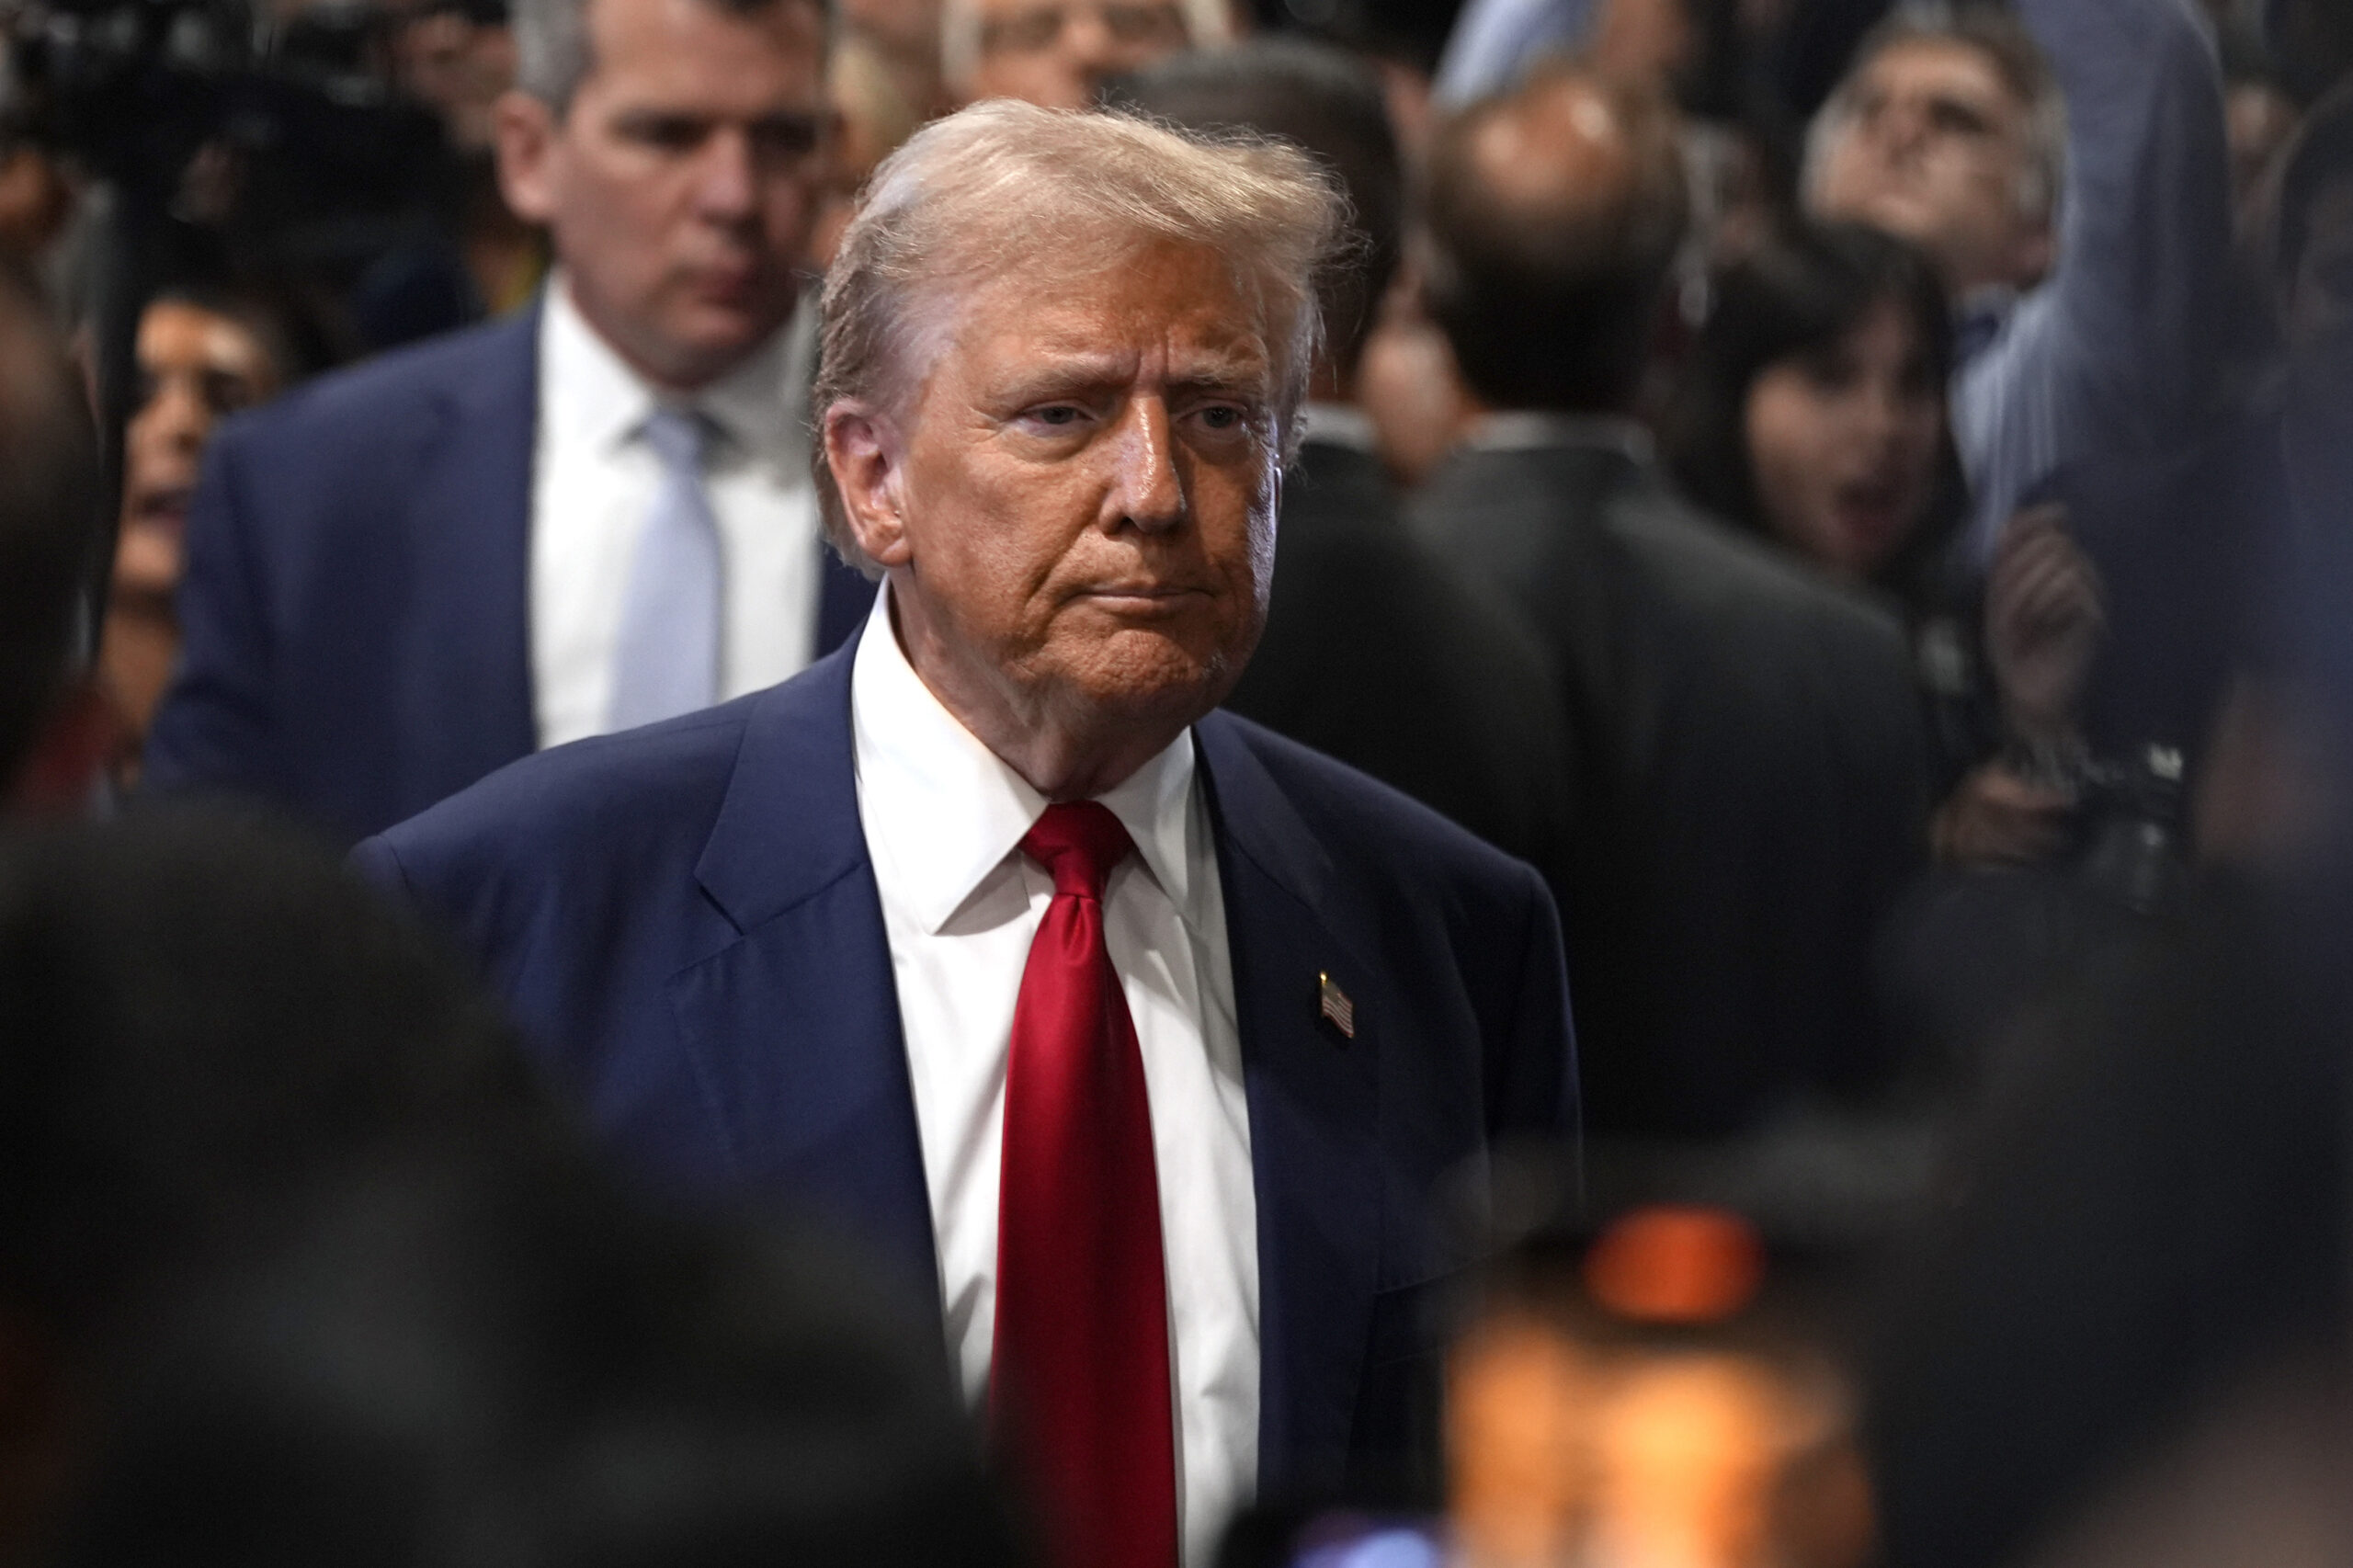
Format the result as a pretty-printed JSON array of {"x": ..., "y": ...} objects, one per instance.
[
  {"x": 203, "y": 352},
  {"x": 1813, "y": 407},
  {"x": 1812, "y": 411}
]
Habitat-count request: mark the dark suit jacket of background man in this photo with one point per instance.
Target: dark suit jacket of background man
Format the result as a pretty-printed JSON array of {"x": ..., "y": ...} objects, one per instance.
[
  {"x": 355, "y": 618},
  {"x": 684, "y": 921},
  {"x": 1749, "y": 787},
  {"x": 1381, "y": 654}
]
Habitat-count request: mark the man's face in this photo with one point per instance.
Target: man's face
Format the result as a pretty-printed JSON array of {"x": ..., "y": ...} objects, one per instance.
[
  {"x": 1077, "y": 506},
  {"x": 1935, "y": 150},
  {"x": 681, "y": 183},
  {"x": 1055, "y": 53},
  {"x": 453, "y": 63}
]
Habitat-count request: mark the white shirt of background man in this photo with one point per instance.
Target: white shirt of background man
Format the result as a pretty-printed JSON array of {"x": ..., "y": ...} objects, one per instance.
[
  {"x": 594, "y": 484},
  {"x": 943, "y": 817}
]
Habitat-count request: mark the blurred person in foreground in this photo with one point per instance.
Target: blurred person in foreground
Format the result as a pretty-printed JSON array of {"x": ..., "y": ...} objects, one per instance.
[
  {"x": 196, "y": 1018},
  {"x": 1129, "y": 1031},
  {"x": 1376, "y": 651},
  {"x": 2121, "y": 1339},
  {"x": 460, "y": 1356},
  {"x": 1061, "y": 53},
  {"x": 56, "y": 733},
  {"x": 201, "y": 356},
  {"x": 589, "y": 516},
  {"x": 1747, "y": 740},
  {"x": 1812, "y": 411}
]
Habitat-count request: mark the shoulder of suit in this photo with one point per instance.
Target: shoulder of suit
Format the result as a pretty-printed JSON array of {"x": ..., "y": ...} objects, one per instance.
[
  {"x": 1365, "y": 825},
  {"x": 590, "y": 797},
  {"x": 1701, "y": 552},
  {"x": 360, "y": 401}
]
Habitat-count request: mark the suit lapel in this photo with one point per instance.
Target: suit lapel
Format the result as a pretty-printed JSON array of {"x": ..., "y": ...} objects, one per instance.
[
  {"x": 1314, "y": 1107},
  {"x": 467, "y": 698},
  {"x": 794, "y": 1026}
]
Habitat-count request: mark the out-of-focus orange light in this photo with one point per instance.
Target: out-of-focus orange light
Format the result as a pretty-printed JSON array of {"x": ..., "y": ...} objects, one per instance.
[
  {"x": 1520, "y": 1398},
  {"x": 1675, "y": 1263}
]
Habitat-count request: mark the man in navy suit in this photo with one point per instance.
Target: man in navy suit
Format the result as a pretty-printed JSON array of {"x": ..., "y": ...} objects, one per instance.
[
  {"x": 587, "y": 517},
  {"x": 1142, "y": 1038}
]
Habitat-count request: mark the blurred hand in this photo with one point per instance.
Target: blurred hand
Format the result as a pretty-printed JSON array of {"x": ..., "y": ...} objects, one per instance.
[
  {"x": 2045, "y": 620},
  {"x": 1994, "y": 817}
]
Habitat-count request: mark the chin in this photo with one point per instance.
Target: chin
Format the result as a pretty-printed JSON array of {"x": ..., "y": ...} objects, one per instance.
[
  {"x": 1883, "y": 202},
  {"x": 1151, "y": 678},
  {"x": 724, "y": 335}
]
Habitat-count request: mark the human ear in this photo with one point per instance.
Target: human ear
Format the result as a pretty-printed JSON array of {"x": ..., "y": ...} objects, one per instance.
[
  {"x": 527, "y": 130},
  {"x": 2037, "y": 247},
  {"x": 865, "y": 458}
]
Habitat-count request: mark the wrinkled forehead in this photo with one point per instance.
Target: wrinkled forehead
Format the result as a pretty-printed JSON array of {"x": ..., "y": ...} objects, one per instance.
[
  {"x": 1931, "y": 69},
  {"x": 1106, "y": 306}
]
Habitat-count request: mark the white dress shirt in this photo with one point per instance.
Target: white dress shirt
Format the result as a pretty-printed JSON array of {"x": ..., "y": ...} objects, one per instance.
[
  {"x": 594, "y": 482},
  {"x": 943, "y": 818}
]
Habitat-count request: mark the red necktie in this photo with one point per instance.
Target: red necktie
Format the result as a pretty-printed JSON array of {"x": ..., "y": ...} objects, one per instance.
[{"x": 1079, "y": 1380}]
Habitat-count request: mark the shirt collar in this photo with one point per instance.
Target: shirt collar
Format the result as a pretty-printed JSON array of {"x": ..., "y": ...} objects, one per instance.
[
  {"x": 1528, "y": 430},
  {"x": 955, "y": 808},
  {"x": 589, "y": 393}
]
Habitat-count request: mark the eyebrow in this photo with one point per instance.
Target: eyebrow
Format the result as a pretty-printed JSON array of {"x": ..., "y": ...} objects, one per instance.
[{"x": 1242, "y": 368}]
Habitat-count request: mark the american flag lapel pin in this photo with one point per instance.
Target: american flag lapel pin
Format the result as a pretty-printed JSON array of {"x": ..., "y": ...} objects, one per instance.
[{"x": 1332, "y": 1004}]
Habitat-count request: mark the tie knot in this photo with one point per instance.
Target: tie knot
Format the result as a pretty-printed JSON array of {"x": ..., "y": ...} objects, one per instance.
[
  {"x": 677, "y": 437},
  {"x": 1078, "y": 842}
]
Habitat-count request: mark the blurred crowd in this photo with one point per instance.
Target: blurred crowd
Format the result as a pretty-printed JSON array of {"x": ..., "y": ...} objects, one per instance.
[{"x": 1855, "y": 494}]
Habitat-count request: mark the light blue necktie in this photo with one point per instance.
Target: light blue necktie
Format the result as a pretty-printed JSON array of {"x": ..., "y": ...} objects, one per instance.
[{"x": 666, "y": 661}]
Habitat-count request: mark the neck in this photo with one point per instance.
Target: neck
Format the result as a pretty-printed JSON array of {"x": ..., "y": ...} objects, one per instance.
[{"x": 1064, "y": 745}]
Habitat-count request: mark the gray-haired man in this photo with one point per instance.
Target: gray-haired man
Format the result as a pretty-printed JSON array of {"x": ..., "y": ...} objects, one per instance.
[
  {"x": 591, "y": 515},
  {"x": 2066, "y": 169}
]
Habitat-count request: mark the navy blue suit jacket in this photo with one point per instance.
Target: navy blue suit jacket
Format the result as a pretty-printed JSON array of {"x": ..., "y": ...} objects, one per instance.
[
  {"x": 354, "y": 617},
  {"x": 686, "y": 923}
]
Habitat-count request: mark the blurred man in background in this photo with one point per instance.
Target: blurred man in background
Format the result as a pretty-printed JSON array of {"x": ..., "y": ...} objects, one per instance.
[
  {"x": 2068, "y": 171},
  {"x": 1748, "y": 785},
  {"x": 1059, "y": 53},
  {"x": 457, "y": 57},
  {"x": 585, "y": 518},
  {"x": 1377, "y": 651}
]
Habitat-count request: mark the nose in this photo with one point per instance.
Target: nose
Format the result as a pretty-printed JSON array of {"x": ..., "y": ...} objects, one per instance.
[
  {"x": 179, "y": 414},
  {"x": 1904, "y": 127},
  {"x": 1883, "y": 414},
  {"x": 727, "y": 177},
  {"x": 1148, "y": 490}
]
